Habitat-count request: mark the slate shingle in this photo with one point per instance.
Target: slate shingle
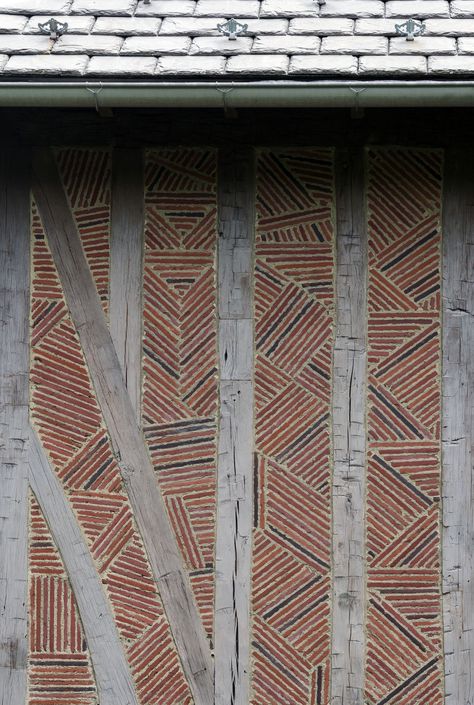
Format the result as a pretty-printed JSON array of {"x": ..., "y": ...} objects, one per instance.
[
  {"x": 35, "y": 7},
  {"x": 47, "y": 65},
  {"x": 13, "y": 23},
  {"x": 127, "y": 26},
  {"x": 90, "y": 44},
  {"x": 122, "y": 66},
  {"x": 136, "y": 46},
  {"x": 324, "y": 65},
  {"x": 267, "y": 64}
]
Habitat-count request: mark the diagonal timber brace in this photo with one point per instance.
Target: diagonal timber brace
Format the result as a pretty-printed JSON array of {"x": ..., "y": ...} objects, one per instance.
[
  {"x": 114, "y": 681},
  {"x": 120, "y": 418}
]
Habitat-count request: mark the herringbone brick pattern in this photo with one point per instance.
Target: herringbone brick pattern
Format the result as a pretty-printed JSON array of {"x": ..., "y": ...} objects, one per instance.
[
  {"x": 404, "y": 651},
  {"x": 69, "y": 422},
  {"x": 180, "y": 351},
  {"x": 294, "y": 318},
  {"x": 60, "y": 671}
]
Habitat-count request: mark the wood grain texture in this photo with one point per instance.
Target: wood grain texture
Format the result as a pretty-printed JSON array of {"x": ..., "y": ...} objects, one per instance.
[
  {"x": 349, "y": 437},
  {"x": 126, "y": 264},
  {"x": 14, "y": 398},
  {"x": 458, "y": 427},
  {"x": 235, "y": 467},
  {"x": 120, "y": 419},
  {"x": 113, "y": 678}
]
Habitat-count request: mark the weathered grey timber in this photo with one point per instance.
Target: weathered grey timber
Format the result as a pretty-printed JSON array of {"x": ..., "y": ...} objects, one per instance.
[
  {"x": 126, "y": 260},
  {"x": 120, "y": 418},
  {"x": 234, "y": 494},
  {"x": 458, "y": 426},
  {"x": 113, "y": 678},
  {"x": 14, "y": 363},
  {"x": 349, "y": 397}
]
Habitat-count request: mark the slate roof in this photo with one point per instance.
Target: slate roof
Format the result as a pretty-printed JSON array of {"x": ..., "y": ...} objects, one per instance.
[{"x": 179, "y": 39}]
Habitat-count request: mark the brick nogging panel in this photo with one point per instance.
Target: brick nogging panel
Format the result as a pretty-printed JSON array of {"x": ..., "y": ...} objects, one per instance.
[
  {"x": 60, "y": 671},
  {"x": 180, "y": 392},
  {"x": 294, "y": 313},
  {"x": 70, "y": 425},
  {"x": 404, "y": 631}
]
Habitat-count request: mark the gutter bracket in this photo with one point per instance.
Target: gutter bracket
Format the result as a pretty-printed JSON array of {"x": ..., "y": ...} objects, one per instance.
[{"x": 101, "y": 110}]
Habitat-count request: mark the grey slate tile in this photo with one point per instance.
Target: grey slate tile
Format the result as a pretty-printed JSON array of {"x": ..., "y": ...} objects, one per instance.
[
  {"x": 35, "y": 7},
  {"x": 290, "y": 44},
  {"x": 466, "y": 45},
  {"x": 122, "y": 66},
  {"x": 462, "y": 8},
  {"x": 186, "y": 65},
  {"x": 423, "y": 45},
  {"x": 25, "y": 44},
  {"x": 127, "y": 26},
  {"x": 166, "y": 8},
  {"x": 392, "y": 65},
  {"x": 451, "y": 64},
  {"x": 377, "y": 26},
  {"x": 276, "y": 64},
  {"x": 227, "y": 8},
  {"x": 328, "y": 64},
  {"x": 47, "y": 64},
  {"x": 13, "y": 23},
  {"x": 321, "y": 25},
  {"x": 353, "y": 8},
  {"x": 449, "y": 28},
  {"x": 221, "y": 45},
  {"x": 103, "y": 7},
  {"x": 355, "y": 45},
  {"x": 283, "y": 8},
  {"x": 156, "y": 45},
  {"x": 417, "y": 8},
  {"x": 90, "y": 44},
  {"x": 263, "y": 26},
  {"x": 193, "y": 27}
]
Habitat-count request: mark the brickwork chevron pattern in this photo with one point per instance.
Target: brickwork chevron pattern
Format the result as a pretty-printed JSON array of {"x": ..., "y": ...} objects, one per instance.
[
  {"x": 404, "y": 653},
  {"x": 180, "y": 352},
  {"x": 294, "y": 298},
  {"x": 69, "y": 422}
]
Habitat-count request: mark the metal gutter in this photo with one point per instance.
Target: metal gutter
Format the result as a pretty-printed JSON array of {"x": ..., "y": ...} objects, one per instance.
[{"x": 257, "y": 94}]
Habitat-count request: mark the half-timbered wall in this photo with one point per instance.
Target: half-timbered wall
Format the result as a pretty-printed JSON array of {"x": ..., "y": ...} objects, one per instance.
[{"x": 238, "y": 384}]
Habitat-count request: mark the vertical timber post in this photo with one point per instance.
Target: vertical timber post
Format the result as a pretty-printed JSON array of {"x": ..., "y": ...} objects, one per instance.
[
  {"x": 349, "y": 394},
  {"x": 126, "y": 265},
  {"x": 234, "y": 495},
  {"x": 458, "y": 426},
  {"x": 14, "y": 429}
]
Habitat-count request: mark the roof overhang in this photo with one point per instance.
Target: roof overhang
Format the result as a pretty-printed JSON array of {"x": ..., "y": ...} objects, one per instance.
[{"x": 245, "y": 94}]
